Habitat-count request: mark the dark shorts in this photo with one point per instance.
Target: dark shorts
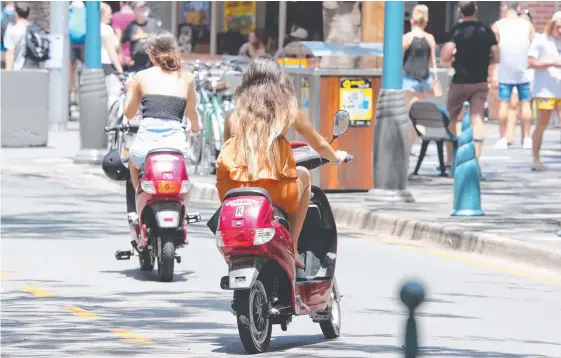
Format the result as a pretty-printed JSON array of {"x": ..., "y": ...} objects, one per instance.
[
  {"x": 474, "y": 93},
  {"x": 77, "y": 52}
]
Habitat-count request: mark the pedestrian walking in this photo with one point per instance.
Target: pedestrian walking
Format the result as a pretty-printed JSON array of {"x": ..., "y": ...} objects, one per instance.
[
  {"x": 544, "y": 57},
  {"x": 137, "y": 33},
  {"x": 418, "y": 56},
  {"x": 514, "y": 36},
  {"x": 121, "y": 19},
  {"x": 472, "y": 48},
  {"x": 21, "y": 54}
]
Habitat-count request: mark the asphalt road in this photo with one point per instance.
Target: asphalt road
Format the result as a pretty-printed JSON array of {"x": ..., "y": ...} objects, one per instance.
[{"x": 64, "y": 294}]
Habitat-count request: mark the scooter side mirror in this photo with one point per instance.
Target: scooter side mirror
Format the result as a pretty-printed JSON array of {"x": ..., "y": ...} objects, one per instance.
[{"x": 340, "y": 123}]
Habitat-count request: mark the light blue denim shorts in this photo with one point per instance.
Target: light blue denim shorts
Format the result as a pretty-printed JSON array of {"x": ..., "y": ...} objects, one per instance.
[
  {"x": 414, "y": 85},
  {"x": 157, "y": 133}
]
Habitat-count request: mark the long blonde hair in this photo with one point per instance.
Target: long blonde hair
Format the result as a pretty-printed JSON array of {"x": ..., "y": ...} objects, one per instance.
[{"x": 265, "y": 107}]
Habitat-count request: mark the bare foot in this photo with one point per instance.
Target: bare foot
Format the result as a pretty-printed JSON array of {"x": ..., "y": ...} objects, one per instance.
[
  {"x": 539, "y": 167},
  {"x": 298, "y": 261}
]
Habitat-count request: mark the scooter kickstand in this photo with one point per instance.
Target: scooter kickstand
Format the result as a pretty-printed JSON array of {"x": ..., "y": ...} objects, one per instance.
[{"x": 178, "y": 259}]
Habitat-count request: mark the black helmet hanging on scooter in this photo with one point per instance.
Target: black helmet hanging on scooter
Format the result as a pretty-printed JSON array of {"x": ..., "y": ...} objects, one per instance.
[{"x": 114, "y": 167}]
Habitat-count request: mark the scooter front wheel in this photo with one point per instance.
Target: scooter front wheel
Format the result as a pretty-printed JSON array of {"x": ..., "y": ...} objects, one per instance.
[
  {"x": 331, "y": 328},
  {"x": 254, "y": 323}
]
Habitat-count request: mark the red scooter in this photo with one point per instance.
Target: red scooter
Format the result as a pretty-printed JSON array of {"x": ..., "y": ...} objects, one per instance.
[
  {"x": 253, "y": 236},
  {"x": 162, "y": 210}
]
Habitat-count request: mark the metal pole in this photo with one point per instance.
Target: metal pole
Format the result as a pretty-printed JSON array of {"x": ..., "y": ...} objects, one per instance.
[
  {"x": 174, "y": 6},
  {"x": 213, "y": 27},
  {"x": 393, "y": 31},
  {"x": 58, "y": 75},
  {"x": 93, "y": 93},
  {"x": 93, "y": 35},
  {"x": 282, "y": 23},
  {"x": 391, "y": 145}
]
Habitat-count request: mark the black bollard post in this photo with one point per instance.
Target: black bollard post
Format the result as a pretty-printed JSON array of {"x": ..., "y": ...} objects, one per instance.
[{"x": 412, "y": 295}]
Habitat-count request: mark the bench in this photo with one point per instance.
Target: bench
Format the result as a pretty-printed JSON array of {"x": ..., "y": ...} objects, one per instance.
[{"x": 431, "y": 124}]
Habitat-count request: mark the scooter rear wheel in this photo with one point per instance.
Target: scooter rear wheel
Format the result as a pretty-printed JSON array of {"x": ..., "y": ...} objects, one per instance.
[
  {"x": 254, "y": 324},
  {"x": 332, "y": 327},
  {"x": 166, "y": 262}
]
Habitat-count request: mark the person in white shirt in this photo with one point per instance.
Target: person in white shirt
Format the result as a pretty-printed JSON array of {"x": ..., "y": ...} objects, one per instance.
[
  {"x": 544, "y": 57},
  {"x": 110, "y": 60},
  {"x": 514, "y": 35}
]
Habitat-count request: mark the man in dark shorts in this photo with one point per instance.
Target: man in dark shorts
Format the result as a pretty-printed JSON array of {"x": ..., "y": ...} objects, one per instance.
[
  {"x": 472, "y": 48},
  {"x": 137, "y": 33}
]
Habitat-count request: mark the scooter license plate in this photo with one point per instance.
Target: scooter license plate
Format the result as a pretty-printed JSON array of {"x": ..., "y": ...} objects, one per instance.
[{"x": 243, "y": 278}]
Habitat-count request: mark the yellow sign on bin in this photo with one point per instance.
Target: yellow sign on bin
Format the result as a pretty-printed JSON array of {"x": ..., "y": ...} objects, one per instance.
[{"x": 355, "y": 97}]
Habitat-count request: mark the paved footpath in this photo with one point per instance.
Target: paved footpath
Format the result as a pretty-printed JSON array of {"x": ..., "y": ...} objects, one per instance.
[
  {"x": 523, "y": 208},
  {"x": 64, "y": 295}
]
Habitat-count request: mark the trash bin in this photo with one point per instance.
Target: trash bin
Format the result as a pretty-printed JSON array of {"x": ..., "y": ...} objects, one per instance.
[{"x": 322, "y": 92}]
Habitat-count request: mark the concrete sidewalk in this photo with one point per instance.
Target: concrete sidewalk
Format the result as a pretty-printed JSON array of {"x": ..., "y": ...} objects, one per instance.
[{"x": 523, "y": 208}]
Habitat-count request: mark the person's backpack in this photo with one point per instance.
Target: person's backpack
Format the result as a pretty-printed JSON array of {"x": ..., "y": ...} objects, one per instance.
[
  {"x": 77, "y": 24},
  {"x": 37, "y": 43}
]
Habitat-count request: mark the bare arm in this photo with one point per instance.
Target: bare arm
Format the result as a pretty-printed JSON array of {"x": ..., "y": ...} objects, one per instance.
[
  {"x": 9, "y": 59},
  {"x": 432, "y": 44},
  {"x": 495, "y": 55},
  {"x": 191, "y": 106},
  {"x": 532, "y": 32},
  {"x": 495, "y": 29},
  {"x": 317, "y": 142},
  {"x": 405, "y": 42},
  {"x": 109, "y": 43},
  {"x": 228, "y": 125},
  {"x": 445, "y": 57},
  {"x": 539, "y": 64},
  {"x": 9, "y": 43},
  {"x": 132, "y": 100}
]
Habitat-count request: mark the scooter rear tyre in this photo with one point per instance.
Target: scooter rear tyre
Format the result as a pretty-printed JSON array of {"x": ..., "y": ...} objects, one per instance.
[
  {"x": 244, "y": 300},
  {"x": 331, "y": 328},
  {"x": 166, "y": 262}
]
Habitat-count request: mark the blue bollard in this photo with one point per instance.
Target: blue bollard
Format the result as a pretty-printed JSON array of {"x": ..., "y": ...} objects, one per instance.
[
  {"x": 467, "y": 175},
  {"x": 412, "y": 294}
]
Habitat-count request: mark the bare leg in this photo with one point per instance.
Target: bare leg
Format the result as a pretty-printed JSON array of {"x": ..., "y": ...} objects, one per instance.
[
  {"x": 512, "y": 118},
  {"x": 410, "y": 98},
  {"x": 449, "y": 146},
  {"x": 297, "y": 219},
  {"x": 526, "y": 118},
  {"x": 544, "y": 115},
  {"x": 134, "y": 175},
  {"x": 478, "y": 133},
  {"x": 503, "y": 115}
]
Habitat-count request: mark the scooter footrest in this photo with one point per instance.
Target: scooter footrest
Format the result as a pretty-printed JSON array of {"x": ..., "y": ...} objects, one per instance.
[
  {"x": 123, "y": 255},
  {"x": 193, "y": 218}
]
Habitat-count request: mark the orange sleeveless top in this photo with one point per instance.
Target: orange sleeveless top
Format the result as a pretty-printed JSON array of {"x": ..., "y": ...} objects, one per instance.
[{"x": 281, "y": 186}]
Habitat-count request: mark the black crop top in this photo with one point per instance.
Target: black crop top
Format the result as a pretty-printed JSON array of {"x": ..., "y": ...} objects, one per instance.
[{"x": 163, "y": 107}]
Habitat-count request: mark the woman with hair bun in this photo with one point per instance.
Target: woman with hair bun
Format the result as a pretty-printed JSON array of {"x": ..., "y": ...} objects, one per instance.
[{"x": 167, "y": 93}]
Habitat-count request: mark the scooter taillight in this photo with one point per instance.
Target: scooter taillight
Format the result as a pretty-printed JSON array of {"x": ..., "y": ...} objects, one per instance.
[
  {"x": 166, "y": 187},
  {"x": 244, "y": 238}
]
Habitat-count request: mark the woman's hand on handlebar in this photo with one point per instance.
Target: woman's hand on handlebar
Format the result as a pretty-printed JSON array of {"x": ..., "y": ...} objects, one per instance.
[{"x": 342, "y": 157}]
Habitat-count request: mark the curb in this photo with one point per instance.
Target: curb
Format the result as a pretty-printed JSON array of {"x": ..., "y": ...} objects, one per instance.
[{"x": 451, "y": 237}]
